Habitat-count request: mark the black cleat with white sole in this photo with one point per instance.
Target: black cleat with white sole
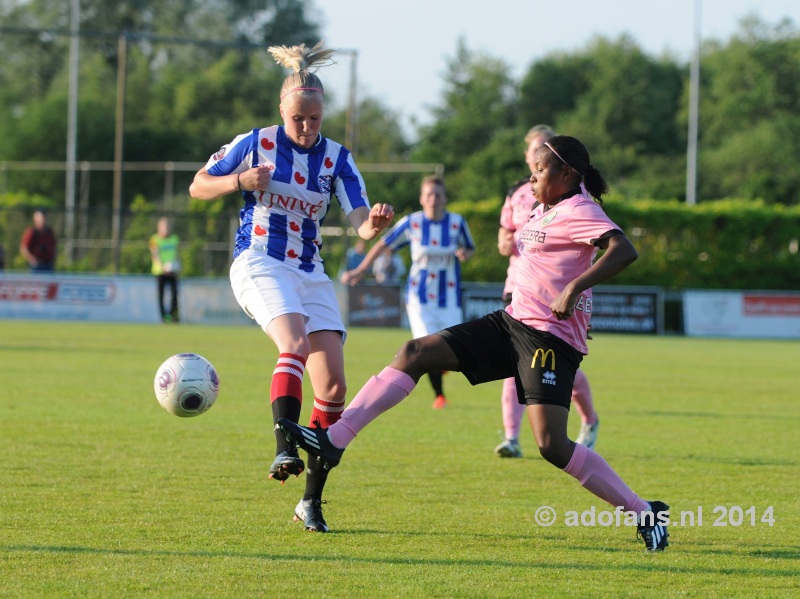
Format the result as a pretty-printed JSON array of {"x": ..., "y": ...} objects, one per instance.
[
  {"x": 309, "y": 512},
  {"x": 314, "y": 440},
  {"x": 652, "y": 528}
]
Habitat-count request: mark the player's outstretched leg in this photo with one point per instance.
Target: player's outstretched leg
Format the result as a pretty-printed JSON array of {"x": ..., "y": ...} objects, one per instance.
[{"x": 314, "y": 440}]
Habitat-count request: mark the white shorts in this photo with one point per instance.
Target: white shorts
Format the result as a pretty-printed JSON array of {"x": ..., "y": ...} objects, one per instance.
[
  {"x": 267, "y": 288},
  {"x": 426, "y": 320}
]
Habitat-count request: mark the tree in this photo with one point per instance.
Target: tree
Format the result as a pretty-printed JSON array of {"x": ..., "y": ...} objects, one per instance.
[
  {"x": 749, "y": 114},
  {"x": 478, "y": 100}
]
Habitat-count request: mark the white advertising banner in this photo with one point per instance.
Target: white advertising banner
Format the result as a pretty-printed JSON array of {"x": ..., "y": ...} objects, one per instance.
[
  {"x": 210, "y": 301},
  {"x": 109, "y": 298},
  {"x": 78, "y": 297},
  {"x": 757, "y": 314}
]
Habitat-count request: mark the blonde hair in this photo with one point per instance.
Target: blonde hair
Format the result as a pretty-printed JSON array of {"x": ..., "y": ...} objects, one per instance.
[
  {"x": 545, "y": 131},
  {"x": 304, "y": 62}
]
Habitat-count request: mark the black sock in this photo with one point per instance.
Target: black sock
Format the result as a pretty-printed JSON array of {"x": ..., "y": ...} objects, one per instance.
[
  {"x": 316, "y": 477},
  {"x": 284, "y": 407},
  {"x": 436, "y": 382}
]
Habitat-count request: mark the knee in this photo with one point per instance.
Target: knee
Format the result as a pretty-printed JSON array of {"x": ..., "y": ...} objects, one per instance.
[
  {"x": 556, "y": 451},
  {"x": 336, "y": 390}
]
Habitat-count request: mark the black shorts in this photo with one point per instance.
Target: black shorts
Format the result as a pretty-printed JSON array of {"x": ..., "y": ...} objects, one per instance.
[{"x": 497, "y": 347}]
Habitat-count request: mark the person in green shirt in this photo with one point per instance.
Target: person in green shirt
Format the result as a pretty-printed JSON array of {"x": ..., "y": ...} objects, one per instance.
[{"x": 166, "y": 267}]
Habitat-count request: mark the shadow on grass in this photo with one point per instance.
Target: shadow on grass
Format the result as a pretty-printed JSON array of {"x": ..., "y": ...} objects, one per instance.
[
  {"x": 714, "y": 415},
  {"x": 654, "y": 566}
]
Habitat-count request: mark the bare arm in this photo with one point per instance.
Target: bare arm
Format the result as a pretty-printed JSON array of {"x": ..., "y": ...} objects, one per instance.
[
  {"x": 23, "y": 249},
  {"x": 211, "y": 187},
  {"x": 351, "y": 277},
  {"x": 464, "y": 254},
  {"x": 369, "y": 223},
  {"x": 505, "y": 242},
  {"x": 619, "y": 254}
]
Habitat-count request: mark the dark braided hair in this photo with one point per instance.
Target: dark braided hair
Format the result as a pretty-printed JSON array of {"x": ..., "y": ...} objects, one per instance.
[{"x": 574, "y": 154}]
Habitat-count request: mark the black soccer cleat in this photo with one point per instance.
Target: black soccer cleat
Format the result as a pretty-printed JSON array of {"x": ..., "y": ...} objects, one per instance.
[
  {"x": 287, "y": 463},
  {"x": 314, "y": 440},
  {"x": 652, "y": 528},
  {"x": 309, "y": 512}
]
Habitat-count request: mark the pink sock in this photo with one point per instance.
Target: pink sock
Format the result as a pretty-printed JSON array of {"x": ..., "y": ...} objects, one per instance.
[
  {"x": 582, "y": 398},
  {"x": 511, "y": 408},
  {"x": 597, "y": 477},
  {"x": 381, "y": 393}
]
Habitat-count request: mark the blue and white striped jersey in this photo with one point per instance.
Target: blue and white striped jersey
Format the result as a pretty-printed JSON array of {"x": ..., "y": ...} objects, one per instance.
[
  {"x": 285, "y": 219},
  {"x": 435, "y": 275}
]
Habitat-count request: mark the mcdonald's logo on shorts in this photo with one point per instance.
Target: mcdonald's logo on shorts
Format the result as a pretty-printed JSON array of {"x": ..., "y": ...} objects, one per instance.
[{"x": 544, "y": 355}]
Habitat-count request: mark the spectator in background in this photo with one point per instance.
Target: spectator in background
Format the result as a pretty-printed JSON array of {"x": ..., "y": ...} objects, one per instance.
[
  {"x": 355, "y": 254},
  {"x": 166, "y": 267},
  {"x": 388, "y": 268},
  {"x": 38, "y": 245}
]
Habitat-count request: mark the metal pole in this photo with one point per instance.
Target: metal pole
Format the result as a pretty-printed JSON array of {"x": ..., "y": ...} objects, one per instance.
[
  {"x": 116, "y": 222},
  {"x": 352, "y": 108},
  {"x": 694, "y": 111},
  {"x": 72, "y": 131}
]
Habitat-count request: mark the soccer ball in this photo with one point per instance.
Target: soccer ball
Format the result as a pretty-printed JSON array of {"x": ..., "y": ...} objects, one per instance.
[{"x": 186, "y": 385}]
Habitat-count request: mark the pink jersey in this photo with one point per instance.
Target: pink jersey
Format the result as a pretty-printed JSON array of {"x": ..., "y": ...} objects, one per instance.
[
  {"x": 514, "y": 215},
  {"x": 555, "y": 248}
]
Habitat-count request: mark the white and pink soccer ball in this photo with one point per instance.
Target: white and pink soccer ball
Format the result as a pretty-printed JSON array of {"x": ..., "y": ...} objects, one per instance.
[{"x": 186, "y": 385}]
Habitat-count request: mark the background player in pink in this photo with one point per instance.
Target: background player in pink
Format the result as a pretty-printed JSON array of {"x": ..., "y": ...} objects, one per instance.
[
  {"x": 540, "y": 339},
  {"x": 440, "y": 241},
  {"x": 287, "y": 175},
  {"x": 514, "y": 216}
]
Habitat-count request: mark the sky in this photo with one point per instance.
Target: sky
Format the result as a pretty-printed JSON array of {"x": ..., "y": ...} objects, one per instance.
[{"x": 403, "y": 46}]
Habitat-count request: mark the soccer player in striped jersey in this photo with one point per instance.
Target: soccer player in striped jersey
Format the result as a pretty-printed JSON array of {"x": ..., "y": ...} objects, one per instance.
[
  {"x": 287, "y": 175},
  {"x": 540, "y": 339},
  {"x": 439, "y": 242},
  {"x": 513, "y": 217}
]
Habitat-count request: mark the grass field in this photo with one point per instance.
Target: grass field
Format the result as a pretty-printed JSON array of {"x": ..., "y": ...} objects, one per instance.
[{"x": 104, "y": 494}]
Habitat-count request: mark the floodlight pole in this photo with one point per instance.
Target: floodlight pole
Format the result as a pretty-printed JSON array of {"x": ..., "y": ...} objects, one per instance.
[
  {"x": 694, "y": 111},
  {"x": 119, "y": 137},
  {"x": 72, "y": 131},
  {"x": 351, "y": 118}
]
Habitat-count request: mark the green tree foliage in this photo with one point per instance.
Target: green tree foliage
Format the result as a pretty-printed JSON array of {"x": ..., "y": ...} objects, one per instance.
[
  {"x": 476, "y": 104},
  {"x": 750, "y": 115}
]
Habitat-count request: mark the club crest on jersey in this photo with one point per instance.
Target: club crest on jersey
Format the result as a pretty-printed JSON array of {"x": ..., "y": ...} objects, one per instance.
[
  {"x": 548, "y": 218},
  {"x": 220, "y": 153},
  {"x": 324, "y": 183}
]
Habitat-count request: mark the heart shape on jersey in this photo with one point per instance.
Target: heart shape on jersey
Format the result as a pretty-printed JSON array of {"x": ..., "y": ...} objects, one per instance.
[
  {"x": 294, "y": 226},
  {"x": 267, "y": 144},
  {"x": 259, "y": 230},
  {"x": 291, "y": 254},
  {"x": 299, "y": 178},
  {"x": 328, "y": 162}
]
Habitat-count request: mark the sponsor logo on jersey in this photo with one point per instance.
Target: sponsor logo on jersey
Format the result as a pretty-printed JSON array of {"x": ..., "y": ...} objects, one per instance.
[{"x": 543, "y": 355}]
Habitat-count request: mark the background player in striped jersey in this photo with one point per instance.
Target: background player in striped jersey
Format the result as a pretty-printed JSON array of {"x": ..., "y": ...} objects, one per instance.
[
  {"x": 540, "y": 339},
  {"x": 514, "y": 215},
  {"x": 439, "y": 241},
  {"x": 287, "y": 175}
]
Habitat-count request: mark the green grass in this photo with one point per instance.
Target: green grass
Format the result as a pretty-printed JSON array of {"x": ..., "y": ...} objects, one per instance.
[{"x": 104, "y": 494}]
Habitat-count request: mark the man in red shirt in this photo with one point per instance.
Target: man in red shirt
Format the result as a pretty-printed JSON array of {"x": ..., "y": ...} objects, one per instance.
[{"x": 38, "y": 245}]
